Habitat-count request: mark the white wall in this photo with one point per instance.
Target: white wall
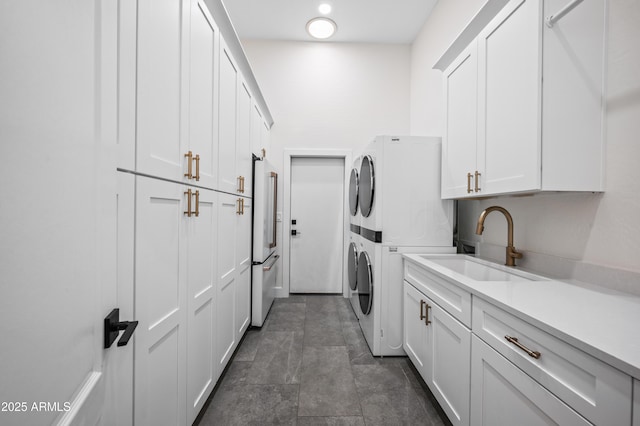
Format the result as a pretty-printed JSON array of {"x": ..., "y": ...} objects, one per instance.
[
  {"x": 602, "y": 229},
  {"x": 446, "y": 21},
  {"x": 330, "y": 95}
]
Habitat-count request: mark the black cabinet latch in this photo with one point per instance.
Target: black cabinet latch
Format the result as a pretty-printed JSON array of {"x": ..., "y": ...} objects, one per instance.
[{"x": 112, "y": 327}]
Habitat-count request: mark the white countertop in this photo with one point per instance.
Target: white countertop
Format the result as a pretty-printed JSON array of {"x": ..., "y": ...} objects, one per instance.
[{"x": 603, "y": 323}]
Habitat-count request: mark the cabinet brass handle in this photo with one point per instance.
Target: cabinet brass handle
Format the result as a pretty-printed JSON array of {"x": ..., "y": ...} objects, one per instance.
[
  {"x": 243, "y": 184},
  {"x": 239, "y": 184},
  {"x": 422, "y": 303},
  {"x": 469, "y": 176},
  {"x": 188, "y": 194},
  {"x": 242, "y": 203},
  {"x": 477, "y": 181},
  {"x": 427, "y": 321},
  {"x": 197, "y": 213},
  {"x": 197, "y": 167},
  {"x": 514, "y": 340},
  {"x": 238, "y": 211},
  {"x": 189, "y": 174}
]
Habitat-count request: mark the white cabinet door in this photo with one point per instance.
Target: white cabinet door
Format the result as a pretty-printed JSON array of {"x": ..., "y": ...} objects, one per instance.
[
  {"x": 415, "y": 332},
  {"x": 636, "y": 402},
  {"x": 243, "y": 260},
  {"x": 448, "y": 371},
  {"x": 160, "y": 303},
  {"x": 256, "y": 130},
  {"x": 459, "y": 145},
  {"x": 227, "y": 178},
  {"x": 201, "y": 255},
  {"x": 509, "y": 99},
  {"x": 440, "y": 348},
  {"x": 244, "y": 162},
  {"x": 265, "y": 136},
  {"x": 226, "y": 279},
  {"x": 501, "y": 394},
  {"x": 203, "y": 90},
  {"x": 163, "y": 74}
]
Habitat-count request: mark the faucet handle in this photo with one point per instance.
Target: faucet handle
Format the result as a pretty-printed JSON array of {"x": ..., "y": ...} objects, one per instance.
[{"x": 512, "y": 255}]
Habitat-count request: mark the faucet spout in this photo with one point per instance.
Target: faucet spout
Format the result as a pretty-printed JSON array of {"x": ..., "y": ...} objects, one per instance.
[{"x": 511, "y": 253}]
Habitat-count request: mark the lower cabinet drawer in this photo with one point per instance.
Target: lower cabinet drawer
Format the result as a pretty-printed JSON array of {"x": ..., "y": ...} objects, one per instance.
[
  {"x": 453, "y": 299},
  {"x": 599, "y": 392},
  {"x": 501, "y": 394}
]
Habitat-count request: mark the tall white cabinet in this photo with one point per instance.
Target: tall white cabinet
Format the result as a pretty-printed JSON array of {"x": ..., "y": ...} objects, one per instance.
[{"x": 187, "y": 101}]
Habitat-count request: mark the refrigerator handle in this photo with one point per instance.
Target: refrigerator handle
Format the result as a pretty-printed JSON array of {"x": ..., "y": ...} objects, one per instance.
[
  {"x": 268, "y": 267},
  {"x": 274, "y": 175}
]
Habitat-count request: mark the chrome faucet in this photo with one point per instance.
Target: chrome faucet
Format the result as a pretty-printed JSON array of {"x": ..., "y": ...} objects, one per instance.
[{"x": 512, "y": 254}]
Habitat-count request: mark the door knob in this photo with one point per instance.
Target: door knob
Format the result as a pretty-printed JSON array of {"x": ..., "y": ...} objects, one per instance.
[{"x": 112, "y": 327}]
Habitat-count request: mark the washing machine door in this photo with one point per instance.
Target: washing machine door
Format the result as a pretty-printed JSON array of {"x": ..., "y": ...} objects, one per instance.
[
  {"x": 353, "y": 192},
  {"x": 353, "y": 266},
  {"x": 365, "y": 283},
  {"x": 367, "y": 185}
]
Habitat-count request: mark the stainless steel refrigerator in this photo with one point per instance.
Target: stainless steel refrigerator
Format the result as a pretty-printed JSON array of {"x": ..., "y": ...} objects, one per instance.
[{"x": 265, "y": 257}]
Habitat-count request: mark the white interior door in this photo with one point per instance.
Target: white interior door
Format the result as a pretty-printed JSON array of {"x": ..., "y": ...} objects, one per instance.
[
  {"x": 57, "y": 216},
  {"x": 317, "y": 207}
]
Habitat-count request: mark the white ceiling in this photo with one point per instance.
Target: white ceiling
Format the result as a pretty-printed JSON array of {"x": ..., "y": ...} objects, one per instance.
[{"x": 359, "y": 21}]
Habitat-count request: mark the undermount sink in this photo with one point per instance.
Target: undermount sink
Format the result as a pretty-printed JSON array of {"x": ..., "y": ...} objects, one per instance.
[{"x": 480, "y": 270}]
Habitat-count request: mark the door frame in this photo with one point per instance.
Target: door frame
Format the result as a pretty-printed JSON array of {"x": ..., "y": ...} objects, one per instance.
[{"x": 289, "y": 154}]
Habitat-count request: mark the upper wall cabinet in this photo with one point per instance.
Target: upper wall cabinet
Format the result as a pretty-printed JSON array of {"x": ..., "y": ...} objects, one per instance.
[
  {"x": 244, "y": 161},
  {"x": 185, "y": 94},
  {"x": 524, "y": 94},
  {"x": 176, "y": 85},
  {"x": 227, "y": 178}
]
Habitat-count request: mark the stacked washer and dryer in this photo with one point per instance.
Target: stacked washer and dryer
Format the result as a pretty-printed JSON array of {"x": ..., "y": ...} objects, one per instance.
[
  {"x": 395, "y": 206},
  {"x": 354, "y": 235}
]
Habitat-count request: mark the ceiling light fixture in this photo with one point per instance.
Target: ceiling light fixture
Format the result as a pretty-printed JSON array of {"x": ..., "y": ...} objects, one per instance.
[
  {"x": 321, "y": 28},
  {"x": 324, "y": 8}
]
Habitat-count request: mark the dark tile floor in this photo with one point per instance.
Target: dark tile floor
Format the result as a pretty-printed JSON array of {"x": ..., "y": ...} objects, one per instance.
[{"x": 310, "y": 365}]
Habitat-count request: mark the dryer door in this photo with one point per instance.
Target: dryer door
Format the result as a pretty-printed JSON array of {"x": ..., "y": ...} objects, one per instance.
[
  {"x": 353, "y": 192},
  {"x": 367, "y": 185},
  {"x": 365, "y": 283},
  {"x": 353, "y": 266}
]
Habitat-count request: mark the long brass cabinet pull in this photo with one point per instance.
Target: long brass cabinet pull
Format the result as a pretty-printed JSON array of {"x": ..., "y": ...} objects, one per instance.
[
  {"x": 421, "y": 311},
  {"x": 240, "y": 185},
  {"x": 469, "y": 176},
  {"x": 197, "y": 213},
  {"x": 189, "y": 174},
  {"x": 240, "y": 206},
  {"x": 188, "y": 194},
  {"x": 427, "y": 321},
  {"x": 514, "y": 340},
  {"x": 477, "y": 181},
  {"x": 197, "y": 167}
]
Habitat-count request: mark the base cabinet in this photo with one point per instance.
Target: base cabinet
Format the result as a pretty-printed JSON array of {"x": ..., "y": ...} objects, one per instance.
[
  {"x": 504, "y": 370},
  {"x": 243, "y": 260},
  {"x": 227, "y": 279},
  {"x": 439, "y": 345},
  {"x": 501, "y": 394},
  {"x": 202, "y": 372},
  {"x": 175, "y": 274},
  {"x": 636, "y": 403}
]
